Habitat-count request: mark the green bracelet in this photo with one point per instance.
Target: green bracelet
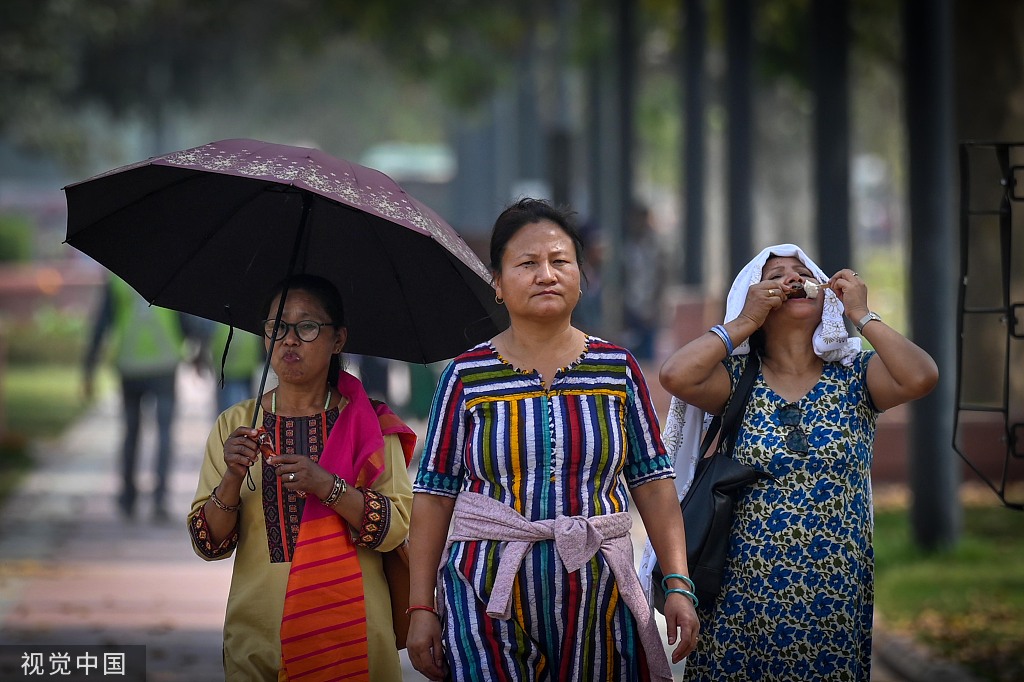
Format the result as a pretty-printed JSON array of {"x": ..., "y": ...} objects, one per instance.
[
  {"x": 689, "y": 583},
  {"x": 679, "y": 590}
]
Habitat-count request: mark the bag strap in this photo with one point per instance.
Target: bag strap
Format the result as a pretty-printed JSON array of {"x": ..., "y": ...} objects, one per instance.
[{"x": 730, "y": 421}]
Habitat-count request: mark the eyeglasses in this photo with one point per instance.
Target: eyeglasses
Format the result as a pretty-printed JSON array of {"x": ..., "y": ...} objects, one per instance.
[
  {"x": 796, "y": 440},
  {"x": 306, "y": 330}
]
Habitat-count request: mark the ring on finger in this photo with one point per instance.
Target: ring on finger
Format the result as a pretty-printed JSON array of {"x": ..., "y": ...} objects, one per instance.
[
  {"x": 771, "y": 292},
  {"x": 291, "y": 476}
]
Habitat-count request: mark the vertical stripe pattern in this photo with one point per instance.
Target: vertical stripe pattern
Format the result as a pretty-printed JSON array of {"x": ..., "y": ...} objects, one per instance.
[{"x": 570, "y": 450}]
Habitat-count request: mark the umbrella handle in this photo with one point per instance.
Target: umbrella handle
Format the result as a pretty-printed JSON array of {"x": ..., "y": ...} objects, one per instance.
[{"x": 307, "y": 205}]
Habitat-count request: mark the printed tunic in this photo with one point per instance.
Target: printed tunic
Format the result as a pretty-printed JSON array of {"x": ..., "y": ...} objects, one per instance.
[
  {"x": 798, "y": 587},
  {"x": 264, "y": 540},
  {"x": 569, "y": 450}
]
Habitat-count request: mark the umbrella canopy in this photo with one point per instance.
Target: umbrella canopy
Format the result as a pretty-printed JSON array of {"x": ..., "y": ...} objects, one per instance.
[{"x": 209, "y": 230}]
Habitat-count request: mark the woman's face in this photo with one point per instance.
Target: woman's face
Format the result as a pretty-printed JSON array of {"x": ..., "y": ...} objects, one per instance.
[
  {"x": 540, "y": 277},
  {"x": 790, "y": 270},
  {"x": 297, "y": 361}
]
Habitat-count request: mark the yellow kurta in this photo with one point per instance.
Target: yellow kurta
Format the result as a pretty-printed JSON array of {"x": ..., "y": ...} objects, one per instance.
[{"x": 252, "y": 624}]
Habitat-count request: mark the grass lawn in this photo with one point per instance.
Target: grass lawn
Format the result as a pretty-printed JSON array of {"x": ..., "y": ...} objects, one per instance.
[
  {"x": 967, "y": 604},
  {"x": 41, "y": 401}
]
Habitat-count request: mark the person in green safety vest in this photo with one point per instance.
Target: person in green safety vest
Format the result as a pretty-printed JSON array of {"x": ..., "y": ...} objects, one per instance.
[
  {"x": 245, "y": 356},
  {"x": 145, "y": 344}
]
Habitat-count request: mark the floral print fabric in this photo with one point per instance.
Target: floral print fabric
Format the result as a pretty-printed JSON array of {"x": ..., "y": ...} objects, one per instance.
[{"x": 797, "y": 596}]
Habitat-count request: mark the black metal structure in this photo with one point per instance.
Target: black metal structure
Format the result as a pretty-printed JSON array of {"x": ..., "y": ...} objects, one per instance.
[{"x": 990, "y": 308}]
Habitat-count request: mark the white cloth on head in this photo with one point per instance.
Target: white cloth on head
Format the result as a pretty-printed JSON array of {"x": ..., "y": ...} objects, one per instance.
[
  {"x": 686, "y": 423},
  {"x": 832, "y": 343}
]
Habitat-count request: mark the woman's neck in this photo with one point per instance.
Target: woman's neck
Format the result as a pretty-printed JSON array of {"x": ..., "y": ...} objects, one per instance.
[
  {"x": 293, "y": 401},
  {"x": 533, "y": 339}
]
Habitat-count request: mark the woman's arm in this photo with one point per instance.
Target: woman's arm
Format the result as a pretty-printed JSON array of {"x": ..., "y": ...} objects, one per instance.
[
  {"x": 901, "y": 370},
  {"x": 392, "y": 488},
  {"x": 228, "y": 456},
  {"x": 428, "y": 532},
  {"x": 695, "y": 373},
  {"x": 658, "y": 506}
]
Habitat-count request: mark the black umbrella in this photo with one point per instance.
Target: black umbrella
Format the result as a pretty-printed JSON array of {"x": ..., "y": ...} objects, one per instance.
[{"x": 208, "y": 231}]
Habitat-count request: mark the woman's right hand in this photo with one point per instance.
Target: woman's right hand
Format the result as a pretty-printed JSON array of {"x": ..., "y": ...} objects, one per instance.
[
  {"x": 424, "y": 644},
  {"x": 240, "y": 451},
  {"x": 762, "y": 299}
]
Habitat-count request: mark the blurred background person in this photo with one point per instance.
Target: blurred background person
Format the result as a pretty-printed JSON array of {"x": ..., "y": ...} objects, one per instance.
[
  {"x": 644, "y": 281},
  {"x": 245, "y": 358},
  {"x": 146, "y": 345}
]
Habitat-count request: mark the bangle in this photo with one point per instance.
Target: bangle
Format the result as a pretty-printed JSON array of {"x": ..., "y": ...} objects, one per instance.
[
  {"x": 220, "y": 505},
  {"x": 339, "y": 489},
  {"x": 687, "y": 593},
  {"x": 689, "y": 583},
  {"x": 719, "y": 330},
  {"x": 421, "y": 607}
]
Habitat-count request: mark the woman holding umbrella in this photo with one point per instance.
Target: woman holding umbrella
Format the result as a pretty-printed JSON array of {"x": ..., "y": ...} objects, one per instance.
[
  {"x": 306, "y": 503},
  {"x": 532, "y": 441}
]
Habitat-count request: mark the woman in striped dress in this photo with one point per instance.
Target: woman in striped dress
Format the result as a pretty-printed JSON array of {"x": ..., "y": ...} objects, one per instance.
[{"x": 534, "y": 438}]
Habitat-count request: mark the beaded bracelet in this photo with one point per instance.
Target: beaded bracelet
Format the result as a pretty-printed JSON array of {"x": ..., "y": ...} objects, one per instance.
[
  {"x": 719, "y": 330},
  {"x": 687, "y": 593},
  {"x": 339, "y": 489},
  {"x": 220, "y": 505},
  {"x": 689, "y": 583},
  {"x": 418, "y": 607}
]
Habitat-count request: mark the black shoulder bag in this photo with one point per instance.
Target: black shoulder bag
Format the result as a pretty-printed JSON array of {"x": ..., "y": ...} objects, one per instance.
[{"x": 708, "y": 504}]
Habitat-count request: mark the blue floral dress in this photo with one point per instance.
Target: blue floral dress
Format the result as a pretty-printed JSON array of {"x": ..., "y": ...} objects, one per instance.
[{"x": 797, "y": 596}]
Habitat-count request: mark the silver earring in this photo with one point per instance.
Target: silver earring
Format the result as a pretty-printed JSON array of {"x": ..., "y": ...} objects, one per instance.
[{"x": 499, "y": 301}]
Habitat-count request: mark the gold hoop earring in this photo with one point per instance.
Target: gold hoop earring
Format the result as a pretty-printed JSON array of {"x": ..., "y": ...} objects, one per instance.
[{"x": 499, "y": 301}]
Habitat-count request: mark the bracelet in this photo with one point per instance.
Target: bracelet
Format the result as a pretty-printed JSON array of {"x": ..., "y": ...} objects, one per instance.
[
  {"x": 339, "y": 489},
  {"x": 689, "y": 583},
  {"x": 719, "y": 330},
  {"x": 220, "y": 505},
  {"x": 419, "y": 607},
  {"x": 687, "y": 593}
]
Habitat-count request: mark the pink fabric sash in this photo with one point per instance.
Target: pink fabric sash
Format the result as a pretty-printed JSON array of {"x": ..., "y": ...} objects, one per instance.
[{"x": 577, "y": 540}]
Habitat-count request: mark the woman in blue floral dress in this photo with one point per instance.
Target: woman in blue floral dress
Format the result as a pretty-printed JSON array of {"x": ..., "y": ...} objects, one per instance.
[{"x": 797, "y": 595}]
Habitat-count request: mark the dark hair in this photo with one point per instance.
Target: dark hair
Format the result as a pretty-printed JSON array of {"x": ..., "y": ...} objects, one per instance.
[
  {"x": 523, "y": 213},
  {"x": 324, "y": 291}
]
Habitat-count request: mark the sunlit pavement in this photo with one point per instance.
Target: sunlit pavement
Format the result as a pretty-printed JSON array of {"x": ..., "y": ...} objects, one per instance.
[{"x": 74, "y": 571}]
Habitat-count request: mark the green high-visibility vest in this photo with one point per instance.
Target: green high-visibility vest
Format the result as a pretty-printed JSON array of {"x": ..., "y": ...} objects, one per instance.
[
  {"x": 147, "y": 340},
  {"x": 245, "y": 354}
]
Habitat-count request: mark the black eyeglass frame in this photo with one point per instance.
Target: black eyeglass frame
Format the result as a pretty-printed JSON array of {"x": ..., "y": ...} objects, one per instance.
[{"x": 283, "y": 327}]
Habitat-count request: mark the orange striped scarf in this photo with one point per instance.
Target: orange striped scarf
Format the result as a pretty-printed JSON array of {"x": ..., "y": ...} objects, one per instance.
[{"x": 323, "y": 628}]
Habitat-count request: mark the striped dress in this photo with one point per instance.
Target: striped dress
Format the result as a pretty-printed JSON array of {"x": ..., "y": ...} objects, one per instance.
[{"x": 570, "y": 450}]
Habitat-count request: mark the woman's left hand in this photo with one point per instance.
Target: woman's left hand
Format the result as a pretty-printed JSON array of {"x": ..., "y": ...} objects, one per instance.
[
  {"x": 851, "y": 291},
  {"x": 681, "y": 619},
  {"x": 300, "y": 474}
]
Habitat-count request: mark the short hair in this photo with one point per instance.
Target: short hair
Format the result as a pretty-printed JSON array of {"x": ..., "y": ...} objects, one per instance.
[{"x": 525, "y": 212}]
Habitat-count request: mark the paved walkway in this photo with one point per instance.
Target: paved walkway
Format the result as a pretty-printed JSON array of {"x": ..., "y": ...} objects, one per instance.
[{"x": 74, "y": 572}]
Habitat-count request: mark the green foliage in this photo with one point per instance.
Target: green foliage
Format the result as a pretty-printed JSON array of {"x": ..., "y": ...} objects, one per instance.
[
  {"x": 885, "y": 272},
  {"x": 964, "y": 603},
  {"x": 15, "y": 239},
  {"x": 42, "y": 401},
  {"x": 48, "y": 337}
]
